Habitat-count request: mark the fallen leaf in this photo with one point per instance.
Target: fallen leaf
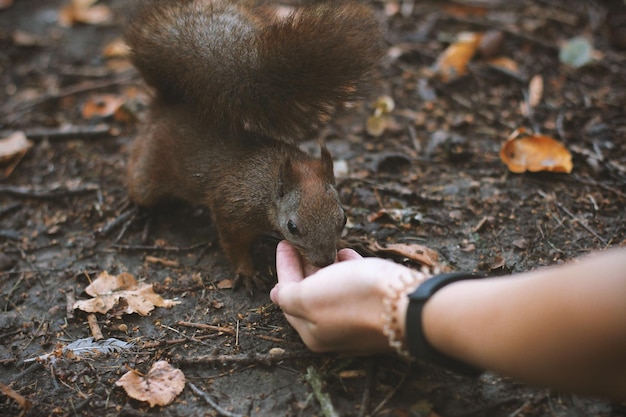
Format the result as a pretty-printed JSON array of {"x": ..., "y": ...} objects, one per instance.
[
  {"x": 504, "y": 63},
  {"x": 160, "y": 386},
  {"x": 12, "y": 150},
  {"x": 535, "y": 153},
  {"x": 576, "y": 52},
  {"x": 117, "y": 48},
  {"x": 452, "y": 62},
  {"x": 12, "y": 146},
  {"x": 380, "y": 120},
  {"x": 498, "y": 262},
  {"x": 535, "y": 90},
  {"x": 26, "y": 39},
  {"x": 415, "y": 252},
  {"x": 101, "y": 105},
  {"x": 225, "y": 284},
  {"x": 83, "y": 11},
  {"x": 110, "y": 290}
]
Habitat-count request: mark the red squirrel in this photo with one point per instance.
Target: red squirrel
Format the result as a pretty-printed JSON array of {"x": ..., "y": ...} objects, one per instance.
[{"x": 237, "y": 87}]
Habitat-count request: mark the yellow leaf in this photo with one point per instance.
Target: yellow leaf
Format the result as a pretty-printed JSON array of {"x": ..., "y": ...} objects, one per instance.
[
  {"x": 452, "y": 63},
  {"x": 535, "y": 153}
]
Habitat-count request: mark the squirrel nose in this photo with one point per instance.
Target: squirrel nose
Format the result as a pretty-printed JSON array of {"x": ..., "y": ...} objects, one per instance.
[{"x": 323, "y": 258}]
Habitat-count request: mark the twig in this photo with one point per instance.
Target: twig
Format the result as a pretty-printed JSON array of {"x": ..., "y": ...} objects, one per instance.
[
  {"x": 155, "y": 248},
  {"x": 257, "y": 358},
  {"x": 11, "y": 207},
  {"x": 212, "y": 403},
  {"x": 46, "y": 193},
  {"x": 314, "y": 379},
  {"x": 70, "y": 300},
  {"x": 583, "y": 224},
  {"x": 22, "y": 108},
  {"x": 94, "y": 327},
  {"x": 203, "y": 326},
  {"x": 64, "y": 132},
  {"x": 367, "y": 392},
  {"x": 185, "y": 339},
  {"x": 389, "y": 396},
  {"x": 113, "y": 224}
]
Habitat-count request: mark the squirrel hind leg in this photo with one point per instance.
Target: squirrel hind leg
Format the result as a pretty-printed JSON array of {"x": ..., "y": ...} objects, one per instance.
[{"x": 238, "y": 250}]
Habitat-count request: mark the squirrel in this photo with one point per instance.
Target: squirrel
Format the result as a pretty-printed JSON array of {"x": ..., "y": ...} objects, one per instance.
[{"x": 238, "y": 86}]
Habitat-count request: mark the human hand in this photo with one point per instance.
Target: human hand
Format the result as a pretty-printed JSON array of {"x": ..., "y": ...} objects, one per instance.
[{"x": 340, "y": 308}]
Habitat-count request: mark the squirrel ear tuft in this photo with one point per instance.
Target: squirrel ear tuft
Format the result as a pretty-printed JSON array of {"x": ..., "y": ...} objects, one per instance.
[{"x": 327, "y": 165}]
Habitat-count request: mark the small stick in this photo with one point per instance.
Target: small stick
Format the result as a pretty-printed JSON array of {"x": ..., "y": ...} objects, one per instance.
[
  {"x": 43, "y": 193},
  {"x": 258, "y": 358},
  {"x": 158, "y": 248},
  {"x": 212, "y": 403},
  {"x": 583, "y": 224},
  {"x": 64, "y": 132},
  {"x": 70, "y": 300},
  {"x": 314, "y": 378},
  {"x": 113, "y": 224},
  {"x": 94, "y": 327},
  {"x": 206, "y": 327}
]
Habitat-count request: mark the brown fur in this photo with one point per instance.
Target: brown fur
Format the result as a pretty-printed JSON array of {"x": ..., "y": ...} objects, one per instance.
[{"x": 234, "y": 85}]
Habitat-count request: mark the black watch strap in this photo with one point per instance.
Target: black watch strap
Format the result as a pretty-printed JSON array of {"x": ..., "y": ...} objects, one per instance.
[{"x": 418, "y": 346}]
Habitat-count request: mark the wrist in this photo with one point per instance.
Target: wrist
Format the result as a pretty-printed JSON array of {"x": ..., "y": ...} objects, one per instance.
[{"x": 418, "y": 344}]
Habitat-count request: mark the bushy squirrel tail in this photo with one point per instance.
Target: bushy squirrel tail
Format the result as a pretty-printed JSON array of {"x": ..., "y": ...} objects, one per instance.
[{"x": 243, "y": 68}]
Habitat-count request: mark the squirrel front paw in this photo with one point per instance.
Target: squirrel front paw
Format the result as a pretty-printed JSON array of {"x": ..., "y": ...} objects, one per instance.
[{"x": 250, "y": 282}]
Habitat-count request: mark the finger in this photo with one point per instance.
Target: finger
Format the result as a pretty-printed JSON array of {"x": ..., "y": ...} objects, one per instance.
[
  {"x": 288, "y": 297},
  {"x": 348, "y": 255},
  {"x": 288, "y": 263}
]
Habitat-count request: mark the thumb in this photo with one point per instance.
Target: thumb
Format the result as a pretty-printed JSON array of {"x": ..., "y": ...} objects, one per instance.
[{"x": 288, "y": 263}]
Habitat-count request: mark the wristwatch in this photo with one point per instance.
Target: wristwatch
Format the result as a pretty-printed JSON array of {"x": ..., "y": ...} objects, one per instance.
[{"x": 418, "y": 346}]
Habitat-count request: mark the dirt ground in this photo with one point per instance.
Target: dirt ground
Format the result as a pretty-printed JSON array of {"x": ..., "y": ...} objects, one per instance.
[{"x": 433, "y": 177}]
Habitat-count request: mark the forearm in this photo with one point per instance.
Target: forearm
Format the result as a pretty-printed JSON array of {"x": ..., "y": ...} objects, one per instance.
[{"x": 563, "y": 327}]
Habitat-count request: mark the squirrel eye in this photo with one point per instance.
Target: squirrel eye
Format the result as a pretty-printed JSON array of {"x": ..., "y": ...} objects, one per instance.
[{"x": 293, "y": 229}]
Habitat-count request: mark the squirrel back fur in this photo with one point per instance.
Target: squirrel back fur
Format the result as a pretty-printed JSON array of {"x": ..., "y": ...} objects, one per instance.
[
  {"x": 244, "y": 68},
  {"x": 237, "y": 86}
]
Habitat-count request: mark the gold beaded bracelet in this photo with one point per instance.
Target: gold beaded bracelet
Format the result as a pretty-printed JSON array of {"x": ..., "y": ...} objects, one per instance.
[{"x": 391, "y": 329}]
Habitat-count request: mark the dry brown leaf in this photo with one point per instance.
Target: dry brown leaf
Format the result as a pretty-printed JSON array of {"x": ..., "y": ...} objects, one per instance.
[
  {"x": 12, "y": 150},
  {"x": 504, "y": 63},
  {"x": 413, "y": 251},
  {"x": 117, "y": 48},
  {"x": 101, "y": 105},
  {"x": 160, "y": 386},
  {"x": 13, "y": 146},
  {"x": 225, "y": 284},
  {"x": 106, "y": 283},
  {"x": 534, "y": 153},
  {"x": 83, "y": 11},
  {"x": 110, "y": 290},
  {"x": 452, "y": 63},
  {"x": 27, "y": 39},
  {"x": 535, "y": 90}
]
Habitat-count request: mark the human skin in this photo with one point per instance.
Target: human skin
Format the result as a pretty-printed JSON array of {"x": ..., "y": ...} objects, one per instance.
[{"x": 562, "y": 327}]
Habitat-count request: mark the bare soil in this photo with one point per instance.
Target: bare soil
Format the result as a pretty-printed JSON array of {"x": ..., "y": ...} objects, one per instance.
[{"x": 434, "y": 178}]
